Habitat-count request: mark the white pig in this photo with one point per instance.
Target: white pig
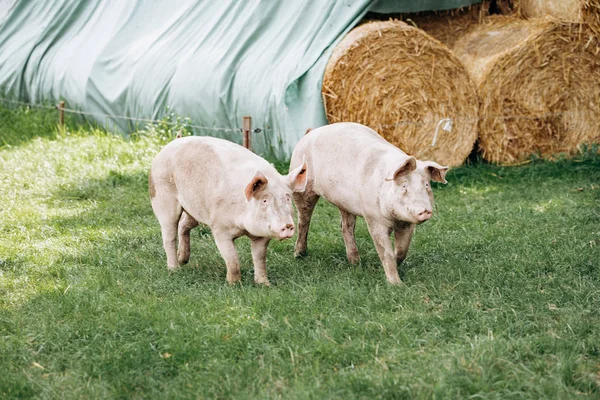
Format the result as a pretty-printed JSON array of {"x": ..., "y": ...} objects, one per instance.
[
  {"x": 361, "y": 173},
  {"x": 228, "y": 188}
]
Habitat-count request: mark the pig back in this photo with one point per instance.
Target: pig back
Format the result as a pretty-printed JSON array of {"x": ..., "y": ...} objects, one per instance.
[
  {"x": 210, "y": 176},
  {"x": 347, "y": 161}
]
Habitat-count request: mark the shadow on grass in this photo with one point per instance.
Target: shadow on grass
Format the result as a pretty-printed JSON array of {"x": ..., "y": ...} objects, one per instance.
[
  {"x": 483, "y": 174},
  {"x": 22, "y": 124},
  {"x": 115, "y": 213},
  {"x": 112, "y": 314}
]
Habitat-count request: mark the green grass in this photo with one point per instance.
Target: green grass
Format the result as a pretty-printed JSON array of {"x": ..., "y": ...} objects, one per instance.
[{"x": 501, "y": 296}]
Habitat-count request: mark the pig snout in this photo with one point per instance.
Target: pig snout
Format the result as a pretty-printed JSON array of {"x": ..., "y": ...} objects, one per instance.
[
  {"x": 424, "y": 215},
  {"x": 285, "y": 232}
]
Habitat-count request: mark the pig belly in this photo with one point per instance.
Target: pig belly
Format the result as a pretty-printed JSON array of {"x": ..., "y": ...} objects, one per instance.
[
  {"x": 339, "y": 192},
  {"x": 198, "y": 213},
  {"x": 201, "y": 196}
]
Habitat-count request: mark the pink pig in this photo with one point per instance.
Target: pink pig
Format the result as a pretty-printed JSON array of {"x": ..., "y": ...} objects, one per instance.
[
  {"x": 227, "y": 187},
  {"x": 362, "y": 174}
]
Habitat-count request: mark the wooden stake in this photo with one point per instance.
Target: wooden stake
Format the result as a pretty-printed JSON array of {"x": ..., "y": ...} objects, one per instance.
[
  {"x": 247, "y": 127},
  {"x": 61, "y": 113}
]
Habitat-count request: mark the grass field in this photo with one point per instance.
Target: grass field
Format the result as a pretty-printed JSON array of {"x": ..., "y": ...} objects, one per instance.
[{"x": 501, "y": 296}]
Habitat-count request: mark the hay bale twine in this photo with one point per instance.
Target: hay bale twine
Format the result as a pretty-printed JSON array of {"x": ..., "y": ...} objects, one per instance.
[
  {"x": 401, "y": 82},
  {"x": 538, "y": 83}
]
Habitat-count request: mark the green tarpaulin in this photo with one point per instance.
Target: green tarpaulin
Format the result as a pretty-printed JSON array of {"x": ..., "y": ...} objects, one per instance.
[{"x": 212, "y": 61}]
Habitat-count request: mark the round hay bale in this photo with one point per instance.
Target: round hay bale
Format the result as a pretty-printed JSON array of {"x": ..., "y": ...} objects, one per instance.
[
  {"x": 401, "y": 82},
  {"x": 539, "y": 86}
]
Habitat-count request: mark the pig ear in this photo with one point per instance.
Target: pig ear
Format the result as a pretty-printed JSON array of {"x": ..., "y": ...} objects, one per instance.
[
  {"x": 409, "y": 165},
  {"x": 257, "y": 183},
  {"x": 436, "y": 171},
  {"x": 297, "y": 178}
]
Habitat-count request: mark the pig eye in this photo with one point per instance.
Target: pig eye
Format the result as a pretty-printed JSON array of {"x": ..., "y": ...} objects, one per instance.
[
  {"x": 426, "y": 184},
  {"x": 288, "y": 197},
  {"x": 265, "y": 201}
]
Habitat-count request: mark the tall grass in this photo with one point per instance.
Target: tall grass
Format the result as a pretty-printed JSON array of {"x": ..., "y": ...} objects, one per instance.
[{"x": 501, "y": 296}]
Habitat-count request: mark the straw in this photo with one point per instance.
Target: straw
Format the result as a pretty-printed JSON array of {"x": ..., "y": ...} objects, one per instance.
[{"x": 401, "y": 82}]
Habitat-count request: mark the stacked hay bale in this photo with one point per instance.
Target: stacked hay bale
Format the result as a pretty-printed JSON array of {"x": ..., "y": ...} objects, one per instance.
[
  {"x": 401, "y": 82},
  {"x": 587, "y": 11},
  {"x": 448, "y": 26},
  {"x": 538, "y": 80},
  {"x": 539, "y": 85}
]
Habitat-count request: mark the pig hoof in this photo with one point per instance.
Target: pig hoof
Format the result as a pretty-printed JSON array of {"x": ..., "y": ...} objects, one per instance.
[
  {"x": 183, "y": 261},
  {"x": 183, "y": 257},
  {"x": 393, "y": 278},
  {"x": 300, "y": 254},
  {"x": 262, "y": 281},
  {"x": 173, "y": 267},
  {"x": 353, "y": 258},
  {"x": 234, "y": 278}
]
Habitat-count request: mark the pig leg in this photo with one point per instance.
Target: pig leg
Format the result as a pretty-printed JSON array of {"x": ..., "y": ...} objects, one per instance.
[
  {"x": 402, "y": 237},
  {"x": 259, "y": 255},
  {"x": 348, "y": 224},
  {"x": 168, "y": 211},
  {"x": 229, "y": 253},
  {"x": 305, "y": 203},
  {"x": 381, "y": 237},
  {"x": 186, "y": 224}
]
